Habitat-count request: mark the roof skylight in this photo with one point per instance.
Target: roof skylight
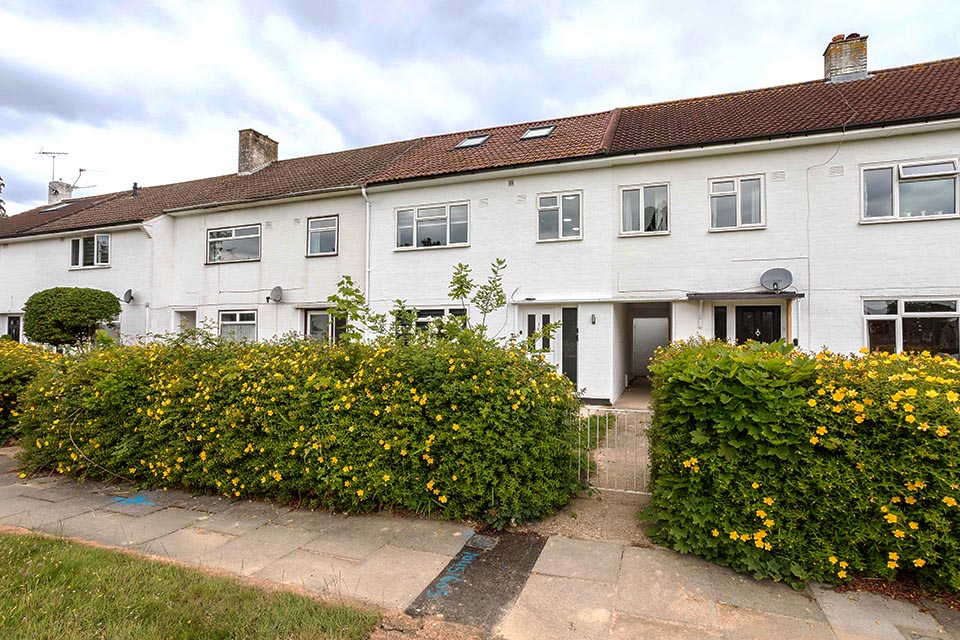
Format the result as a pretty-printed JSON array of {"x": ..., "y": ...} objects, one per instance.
[
  {"x": 54, "y": 207},
  {"x": 473, "y": 141},
  {"x": 538, "y": 132}
]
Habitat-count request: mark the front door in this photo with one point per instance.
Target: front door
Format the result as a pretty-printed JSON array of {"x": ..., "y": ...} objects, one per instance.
[
  {"x": 561, "y": 348},
  {"x": 13, "y": 328},
  {"x": 761, "y": 324}
]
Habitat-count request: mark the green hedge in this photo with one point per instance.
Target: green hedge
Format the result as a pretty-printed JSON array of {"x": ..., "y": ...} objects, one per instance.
[
  {"x": 446, "y": 421},
  {"x": 799, "y": 467},
  {"x": 19, "y": 363}
]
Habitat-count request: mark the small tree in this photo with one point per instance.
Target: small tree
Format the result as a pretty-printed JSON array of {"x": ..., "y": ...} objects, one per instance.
[{"x": 67, "y": 316}]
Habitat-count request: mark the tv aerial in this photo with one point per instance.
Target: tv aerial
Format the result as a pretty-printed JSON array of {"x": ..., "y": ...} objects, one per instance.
[
  {"x": 80, "y": 175},
  {"x": 53, "y": 160},
  {"x": 776, "y": 280}
]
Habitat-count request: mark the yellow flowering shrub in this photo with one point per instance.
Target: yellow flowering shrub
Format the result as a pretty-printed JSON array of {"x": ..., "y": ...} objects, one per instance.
[
  {"x": 812, "y": 467},
  {"x": 447, "y": 421},
  {"x": 19, "y": 363}
]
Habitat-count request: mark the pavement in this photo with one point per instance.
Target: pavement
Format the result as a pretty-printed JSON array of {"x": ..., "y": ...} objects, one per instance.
[{"x": 509, "y": 585}]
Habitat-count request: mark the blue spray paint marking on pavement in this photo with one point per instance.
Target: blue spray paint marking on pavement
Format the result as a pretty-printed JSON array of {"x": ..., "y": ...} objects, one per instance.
[
  {"x": 441, "y": 586},
  {"x": 139, "y": 500}
]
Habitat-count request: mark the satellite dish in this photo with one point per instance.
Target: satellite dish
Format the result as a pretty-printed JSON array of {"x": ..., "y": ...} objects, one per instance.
[
  {"x": 127, "y": 296},
  {"x": 276, "y": 294},
  {"x": 776, "y": 280}
]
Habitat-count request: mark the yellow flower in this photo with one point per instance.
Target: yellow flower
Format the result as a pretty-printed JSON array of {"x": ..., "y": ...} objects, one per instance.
[
  {"x": 898, "y": 533},
  {"x": 911, "y": 418},
  {"x": 821, "y": 431},
  {"x": 443, "y": 499},
  {"x": 843, "y": 564},
  {"x": 892, "y": 564},
  {"x": 832, "y": 559},
  {"x": 953, "y": 396},
  {"x": 950, "y": 501},
  {"x": 812, "y": 402},
  {"x": 768, "y": 522},
  {"x": 839, "y": 395},
  {"x": 755, "y": 485},
  {"x": 360, "y": 492},
  {"x": 761, "y": 513},
  {"x": 714, "y": 533},
  {"x": 930, "y": 393},
  {"x": 913, "y": 525},
  {"x": 942, "y": 431},
  {"x": 768, "y": 501},
  {"x": 890, "y": 517},
  {"x": 814, "y": 440},
  {"x": 910, "y": 500},
  {"x": 919, "y": 562},
  {"x": 841, "y": 574},
  {"x": 734, "y": 535}
]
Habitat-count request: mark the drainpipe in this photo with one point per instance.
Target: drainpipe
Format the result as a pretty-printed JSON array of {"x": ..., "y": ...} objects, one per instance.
[{"x": 366, "y": 237}]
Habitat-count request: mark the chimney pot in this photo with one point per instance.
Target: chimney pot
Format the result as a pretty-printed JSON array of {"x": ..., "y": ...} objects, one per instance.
[
  {"x": 256, "y": 151},
  {"x": 58, "y": 190},
  {"x": 845, "y": 58}
]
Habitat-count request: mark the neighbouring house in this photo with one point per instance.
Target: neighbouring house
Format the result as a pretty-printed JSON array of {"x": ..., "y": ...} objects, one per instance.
[{"x": 821, "y": 213}]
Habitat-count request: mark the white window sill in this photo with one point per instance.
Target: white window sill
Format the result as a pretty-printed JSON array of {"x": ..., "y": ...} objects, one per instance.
[
  {"x": 895, "y": 219},
  {"x": 442, "y": 246},
  {"x": 753, "y": 227},
  {"x": 321, "y": 255},
  {"x": 549, "y": 240},
  {"x": 219, "y": 262},
  {"x": 95, "y": 266},
  {"x": 642, "y": 234}
]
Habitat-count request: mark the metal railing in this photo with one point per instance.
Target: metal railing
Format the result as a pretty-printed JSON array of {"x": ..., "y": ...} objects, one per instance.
[{"x": 613, "y": 450}]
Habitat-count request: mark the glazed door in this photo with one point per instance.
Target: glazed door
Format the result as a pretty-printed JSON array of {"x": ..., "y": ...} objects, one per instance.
[{"x": 761, "y": 324}]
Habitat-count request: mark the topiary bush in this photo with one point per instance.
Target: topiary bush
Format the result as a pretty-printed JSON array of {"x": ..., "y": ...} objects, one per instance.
[
  {"x": 446, "y": 420},
  {"x": 67, "y": 316},
  {"x": 19, "y": 364},
  {"x": 799, "y": 467}
]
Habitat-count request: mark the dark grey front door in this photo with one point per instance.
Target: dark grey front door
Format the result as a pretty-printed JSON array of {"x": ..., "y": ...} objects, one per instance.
[
  {"x": 568, "y": 337},
  {"x": 13, "y": 328},
  {"x": 761, "y": 324}
]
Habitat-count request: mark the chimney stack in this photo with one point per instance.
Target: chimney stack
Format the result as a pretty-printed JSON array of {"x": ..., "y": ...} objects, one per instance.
[
  {"x": 58, "y": 190},
  {"x": 845, "y": 58},
  {"x": 256, "y": 151}
]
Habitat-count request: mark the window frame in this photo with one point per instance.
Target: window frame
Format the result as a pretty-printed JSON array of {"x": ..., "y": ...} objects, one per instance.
[
  {"x": 902, "y": 314},
  {"x": 234, "y": 229},
  {"x": 427, "y": 315},
  {"x": 538, "y": 132},
  {"x": 471, "y": 142},
  {"x": 414, "y": 210},
  {"x": 335, "y": 326},
  {"x": 238, "y": 322},
  {"x": 336, "y": 236},
  {"x": 896, "y": 169},
  {"x": 623, "y": 233},
  {"x": 560, "y": 195},
  {"x": 737, "y": 180},
  {"x": 97, "y": 263}
]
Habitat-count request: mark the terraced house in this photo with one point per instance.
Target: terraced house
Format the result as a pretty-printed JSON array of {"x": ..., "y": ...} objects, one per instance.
[{"x": 822, "y": 213}]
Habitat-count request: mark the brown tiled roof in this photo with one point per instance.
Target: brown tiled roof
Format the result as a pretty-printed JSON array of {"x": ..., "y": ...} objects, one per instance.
[
  {"x": 905, "y": 94},
  {"x": 573, "y": 137},
  {"x": 341, "y": 169}
]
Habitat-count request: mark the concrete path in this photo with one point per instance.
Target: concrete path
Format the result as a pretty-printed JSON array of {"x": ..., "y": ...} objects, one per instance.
[{"x": 577, "y": 589}]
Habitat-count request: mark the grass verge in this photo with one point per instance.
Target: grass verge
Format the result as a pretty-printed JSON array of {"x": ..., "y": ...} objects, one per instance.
[{"x": 53, "y": 588}]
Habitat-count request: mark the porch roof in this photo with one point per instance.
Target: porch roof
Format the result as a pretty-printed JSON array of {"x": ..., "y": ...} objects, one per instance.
[{"x": 745, "y": 295}]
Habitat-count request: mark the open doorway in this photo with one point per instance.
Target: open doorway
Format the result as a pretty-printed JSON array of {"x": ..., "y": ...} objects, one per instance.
[{"x": 646, "y": 327}]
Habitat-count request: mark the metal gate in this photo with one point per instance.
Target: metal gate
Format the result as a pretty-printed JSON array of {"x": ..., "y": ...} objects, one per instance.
[{"x": 613, "y": 450}]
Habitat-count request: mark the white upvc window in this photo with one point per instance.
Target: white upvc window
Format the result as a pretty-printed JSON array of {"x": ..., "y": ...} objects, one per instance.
[
  {"x": 426, "y": 316},
  {"x": 238, "y": 325},
  {"x": 894, "y": 325},
  {"x": 559, "y": 216},
  {"x": 322, "y": 236},
  {"x": 910, "y": 190},
  {"x": 90, "y": 251},
  {"x": 233, "y": 244},
  {"x": 736, "y": 203},
  {"x": 645, "y": 210},
  {"x": 437, "y": 225},
  {"x": 322, "y": 326}
]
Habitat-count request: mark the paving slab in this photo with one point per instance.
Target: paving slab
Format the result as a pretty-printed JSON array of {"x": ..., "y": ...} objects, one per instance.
[
  {"x": 48, "y": 516},
  {"x": 308, "y": 570},
  {"x": 56, "y": 489},
  {"x": 254, "y": 551},
  {"x": 392, "y": 577},
  {"x": 143, "y": 528},
  {"x": 354, "y": 538},
  {"x": 317, "y": 521},
  {"x": 627, "y": 627},
  {"x": 746, "y": 592},
  {"x": 948, "y": 618},
  {"x": 749, "y": 624},
  {"x": 11, "y": 504},
  {"x": 561, "y": 609},
  {"x": 186, "y": 545},
  {"x": 855, "y": 615},
  {"x": 234, "y": 521},
  {"x": 104, "y": 527},
  {"x": 207, "y": 504},
  {"x": 583, "y": 559},
  {"x": 667, "y": 586},
  {"x": 138, "y": 503}
]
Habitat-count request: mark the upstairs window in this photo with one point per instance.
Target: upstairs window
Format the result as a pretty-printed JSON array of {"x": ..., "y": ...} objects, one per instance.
[
  {"x": 90, "y": 251},
  {"x": 736, "y": 203},
  {"x": 473, "y": 141},
  {"x": 558, "y": 217},
  {"x": 233, "y": 244},
  {"x": 433, "y": 226},
  {"x": 238, "y": 325},
  {"x": 322, "y": 236},
  {"x": 644, "y": 209},
  {"x": 913, "y": 190}
]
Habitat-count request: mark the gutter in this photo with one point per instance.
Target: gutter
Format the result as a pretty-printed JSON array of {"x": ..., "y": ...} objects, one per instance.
[
  {"x": 130, "y": 226},
  {"x": 264, "y": 200},
  {"x": 366, "y": 238}
]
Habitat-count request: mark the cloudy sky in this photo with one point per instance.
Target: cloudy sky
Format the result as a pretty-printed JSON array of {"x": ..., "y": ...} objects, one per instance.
[{"x": 155, "y": 92}]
